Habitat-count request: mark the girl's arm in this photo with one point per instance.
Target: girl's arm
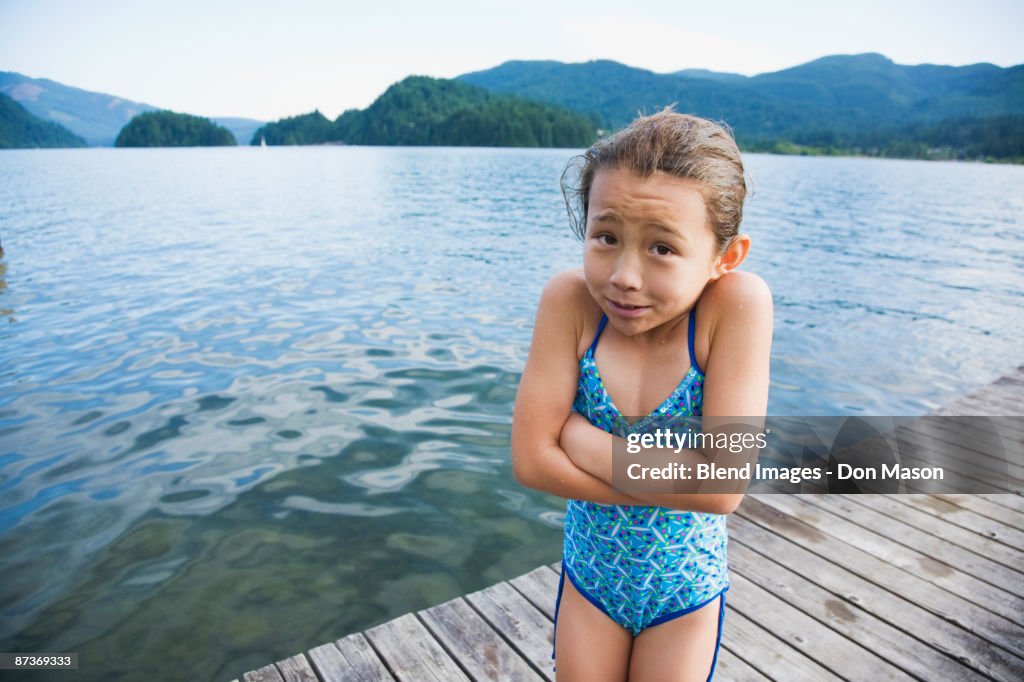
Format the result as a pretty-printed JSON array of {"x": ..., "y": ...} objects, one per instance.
[
  {"x": 739, "y": 307},
  {"x": 545, "y": 396},
  {"x": 590, "y": 448}
]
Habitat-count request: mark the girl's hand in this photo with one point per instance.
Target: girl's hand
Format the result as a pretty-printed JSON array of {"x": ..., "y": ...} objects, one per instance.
[
  {"x": 590, "y": 451},
  {"x": 545, "y": 396}
]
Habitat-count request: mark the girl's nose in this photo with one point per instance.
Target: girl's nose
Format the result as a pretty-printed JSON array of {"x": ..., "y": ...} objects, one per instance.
[{"x": 626, "y": 274}]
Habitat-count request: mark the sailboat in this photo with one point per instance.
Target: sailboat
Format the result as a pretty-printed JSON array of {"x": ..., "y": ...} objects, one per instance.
[{"x": 263, "y": 142}]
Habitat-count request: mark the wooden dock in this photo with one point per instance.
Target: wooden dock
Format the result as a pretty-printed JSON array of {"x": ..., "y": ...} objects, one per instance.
[{"x": 824, "y": 587}]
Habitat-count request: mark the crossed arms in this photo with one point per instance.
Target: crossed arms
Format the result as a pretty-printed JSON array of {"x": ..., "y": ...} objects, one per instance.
[{"x": 559, "y": 452}]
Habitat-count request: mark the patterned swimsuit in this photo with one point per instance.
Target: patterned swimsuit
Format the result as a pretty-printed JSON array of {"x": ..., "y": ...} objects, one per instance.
[{"x": 642, "y": 565}]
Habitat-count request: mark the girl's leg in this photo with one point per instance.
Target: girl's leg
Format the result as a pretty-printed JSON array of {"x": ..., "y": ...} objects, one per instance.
[
  {"x": 679, "y": 650},
  {"x": 589, "y": 646}
]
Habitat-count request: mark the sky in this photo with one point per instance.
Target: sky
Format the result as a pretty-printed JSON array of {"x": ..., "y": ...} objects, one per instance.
[{"x": 266, "y": 60}]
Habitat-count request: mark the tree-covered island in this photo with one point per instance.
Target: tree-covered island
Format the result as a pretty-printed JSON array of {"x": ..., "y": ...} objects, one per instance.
[{"x": 170, "y": 129}]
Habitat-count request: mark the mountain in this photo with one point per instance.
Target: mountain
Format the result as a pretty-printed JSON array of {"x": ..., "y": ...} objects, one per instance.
[
  {"x": 434, "y": 111},
  {"x": 20, "y": 129},
  {"x": 720, "y": 76},
  {"x": 836, "y": 102},
  {"x": 841, "y": 104},
  {"x": 95, "y": 116},
  {"x": 92, "y": 115},
  {"x": 614, "y": 92},
  {"x": 869, "y": 88}
]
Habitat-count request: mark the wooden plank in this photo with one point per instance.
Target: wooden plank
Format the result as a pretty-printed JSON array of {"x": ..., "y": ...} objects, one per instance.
[
  {"x": 770, "y": 655},
  {"x": 885, "y": 577},
  {"x": 1007, "y": 509},
  {"x": 979, "y": 467},
  {"x": 330, "y": 664},
  {"x": 810, "y": 637},
  {"x": 955, "y": 557},
  {"x": 924, "y": 449},
  {"x": 519, "y": 621},
  {"x": 267, "y": 673},
  {"x": 362, "y": 659},
  {"x": 913, "y": 562},
  {"x": 920, "y": 512},
  {"x": 410, "y": 653},
  {"x": 471, "y": 641},
  {"x": 981, "y": 433},
  {"x": 350, "y": 658},
  {"x": 296, "y": 669},
  {"x": 874, "y": 634},
  {"x": 976, "y": 446},
  {"x": 943, "y": 647},
  {"x": 1011, "y": 502},
  {"x": 732, "y": 667},
  {"x": 540, "y": 587}
]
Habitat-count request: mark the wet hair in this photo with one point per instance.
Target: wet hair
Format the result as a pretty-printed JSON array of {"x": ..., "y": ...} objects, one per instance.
[{"x": 678, "y": 144}]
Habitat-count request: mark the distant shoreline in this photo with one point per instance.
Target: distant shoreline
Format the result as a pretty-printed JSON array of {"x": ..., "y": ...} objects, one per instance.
[
  {"x": 860, "y": 155},
  {"x": 799, "y": 152}
]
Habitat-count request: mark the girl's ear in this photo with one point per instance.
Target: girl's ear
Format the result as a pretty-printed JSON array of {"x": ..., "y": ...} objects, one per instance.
[{"x": 734, "y": 254}]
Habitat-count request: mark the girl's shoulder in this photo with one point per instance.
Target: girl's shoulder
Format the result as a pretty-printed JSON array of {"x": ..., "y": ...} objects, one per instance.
[
  {"x": 735, "y": 288},
  {"x": 735, "y": 301},
  {"x": 567, "y": 293}
]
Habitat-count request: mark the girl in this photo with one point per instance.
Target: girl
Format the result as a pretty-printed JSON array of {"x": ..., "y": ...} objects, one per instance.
[{"x": 657, "y": 310}]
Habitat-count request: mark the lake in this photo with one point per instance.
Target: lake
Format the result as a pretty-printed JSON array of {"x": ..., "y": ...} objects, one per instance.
[{"x": 254, "y": 400}]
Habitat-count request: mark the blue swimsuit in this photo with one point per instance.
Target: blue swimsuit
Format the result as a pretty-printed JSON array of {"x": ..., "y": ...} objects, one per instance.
[{"x": 642, "y": 565}]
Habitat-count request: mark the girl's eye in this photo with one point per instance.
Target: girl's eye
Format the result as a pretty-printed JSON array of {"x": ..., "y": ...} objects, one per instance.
[
  {"x": 663, "y": 250},
  {"x": 606, "y": 239}
]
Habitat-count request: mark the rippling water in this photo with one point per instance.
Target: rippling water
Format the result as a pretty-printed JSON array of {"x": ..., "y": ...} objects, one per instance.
[{"x": 253, "y": 400}]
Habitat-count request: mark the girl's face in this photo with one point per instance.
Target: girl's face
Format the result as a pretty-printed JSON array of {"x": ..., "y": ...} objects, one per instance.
[{"x": 649, "y": 250}]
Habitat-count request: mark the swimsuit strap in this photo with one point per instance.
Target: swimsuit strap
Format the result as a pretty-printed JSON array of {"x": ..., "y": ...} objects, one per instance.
[
  {"x": 692, "y": 327},
  {"x": 689, "y": 333},
  {"x": 600, "y": 328}
]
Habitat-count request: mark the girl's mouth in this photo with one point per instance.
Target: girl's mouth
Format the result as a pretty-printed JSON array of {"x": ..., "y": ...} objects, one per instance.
[{"x": 626, "y": 310}]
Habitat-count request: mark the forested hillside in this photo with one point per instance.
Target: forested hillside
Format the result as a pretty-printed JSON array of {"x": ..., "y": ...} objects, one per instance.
[
  {"x": 20, "y": 129},
  {"x": 840, "y": 104},
  {"x": 434, "y": 111}
]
